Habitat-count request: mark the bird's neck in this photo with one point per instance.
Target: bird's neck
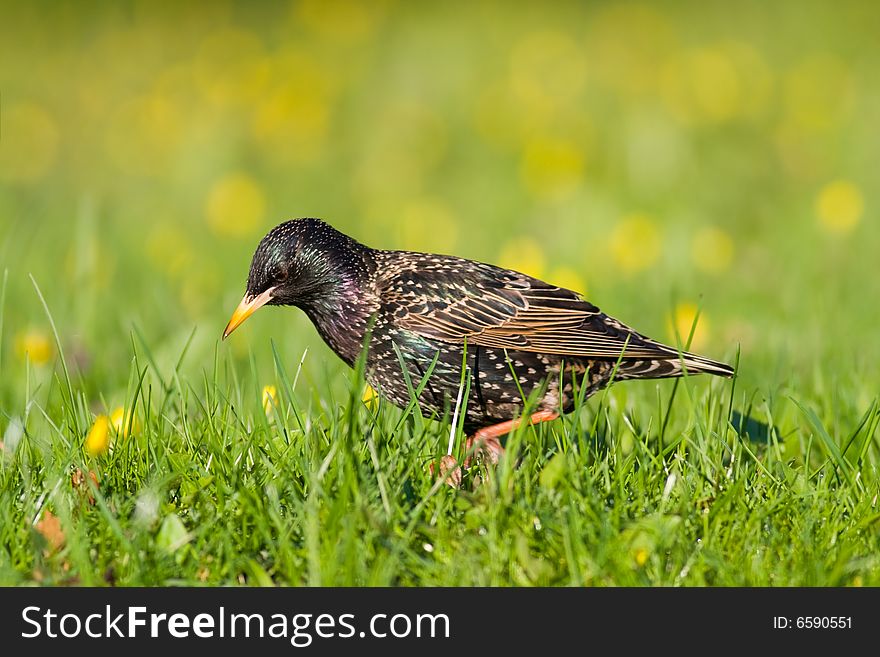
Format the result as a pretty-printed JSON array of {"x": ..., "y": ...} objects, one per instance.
[{"x": 343, "y": 317}]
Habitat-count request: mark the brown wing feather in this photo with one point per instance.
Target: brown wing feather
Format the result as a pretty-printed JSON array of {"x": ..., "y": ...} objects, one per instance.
[{"x": 460, "y": 300}]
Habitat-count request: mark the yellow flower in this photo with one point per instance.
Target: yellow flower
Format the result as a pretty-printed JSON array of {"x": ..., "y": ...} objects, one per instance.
[
  {"x": 235, "y": 205},
  {"x": 712, "y": 249},
  {"x": 270, "y": 399},
  {"x": 552, "y": 168},
  {"x": 641, "y": 556},
  {"x": 123, "y": 423},
  {"x": 428, "y": 225},
  {"x": 681, "y": 322},
  {"x": 568, "y": 278},
  {"x": 839, "y": 206},
  {"x": 36, "y": 347},
  {"x": 635, "y": 243},
  {"x": 523, "y": 254},
  {"x": 98, "y": 439},
  {"x": 370, "y": 397}
]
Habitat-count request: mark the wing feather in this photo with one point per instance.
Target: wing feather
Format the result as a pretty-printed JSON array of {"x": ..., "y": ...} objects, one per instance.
[{"x": 460, "y": 300}]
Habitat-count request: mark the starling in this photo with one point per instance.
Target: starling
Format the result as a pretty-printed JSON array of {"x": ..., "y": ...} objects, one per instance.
[{"x": 517, "y": 336}]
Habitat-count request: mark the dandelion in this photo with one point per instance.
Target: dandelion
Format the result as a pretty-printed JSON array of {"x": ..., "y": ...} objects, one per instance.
[
  {"x": 681, "y": 322},
  {"x": 124, "y": 424},
  {"x": 270, "y": 400},
  {"x": 35, "y": 346},
  {"x": 523, "y": 254},
  {"x": 428, "y": 225},
  {"x": 712, "y": 250},
  {"x": 568, "y": 278},
  {"x": 370, "y": 397},
  {"x": 552, "y": 168},
  {"x": 635, "y": 243},
  {"x": 839, "y": 206},
  {"x": 98, "y": 439},
  {"x": 235, "y": 205},
  {"x": 641, "y": 556}
]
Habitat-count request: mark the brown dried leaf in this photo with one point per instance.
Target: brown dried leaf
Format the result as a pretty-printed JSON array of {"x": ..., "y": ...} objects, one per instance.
[{"x": 49, "y": 528}]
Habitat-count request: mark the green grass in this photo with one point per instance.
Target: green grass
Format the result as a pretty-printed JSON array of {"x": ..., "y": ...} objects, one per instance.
[
  {"x": 651, "y": 155},
  {"x": 322, "y": 490}
]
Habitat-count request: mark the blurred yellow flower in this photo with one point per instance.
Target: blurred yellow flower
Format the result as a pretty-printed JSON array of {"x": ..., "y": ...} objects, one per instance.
[
  {"x": 641, "y": 556},
  {"x": 568, "y": 278},
  {"x": 552, "y": 168},
  {"x": 98, "y": 439},
  {"x": 712, "y": 249},
  {"x": 235, "y": 206},
  {"x": 523, "y": 254},
  {"x": 123, "y": 423},
  {"x": 231, "y": 67},
  {"x": 270, "y": 400},
  {"x": 840, "y": 206},
  {"x": 635, "y": 243},
  {"x": 30, "y": 143},
  {"x": 36, "y": 346},
  {"x": 681, "y": 322},
  {"x": 341, "y": 20},
  {"x": 428, "y": 225},
  {"x": 370, "y": 397}
]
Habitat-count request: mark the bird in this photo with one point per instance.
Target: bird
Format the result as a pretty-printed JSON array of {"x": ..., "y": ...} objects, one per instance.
[{"x": 422, "y": 317}]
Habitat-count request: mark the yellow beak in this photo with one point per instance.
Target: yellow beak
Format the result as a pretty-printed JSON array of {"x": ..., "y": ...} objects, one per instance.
[{"x": 247, "y": 307}]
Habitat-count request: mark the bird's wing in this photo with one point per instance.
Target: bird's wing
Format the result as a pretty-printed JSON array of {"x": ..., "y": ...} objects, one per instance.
[{"x": 454, "y": 300}]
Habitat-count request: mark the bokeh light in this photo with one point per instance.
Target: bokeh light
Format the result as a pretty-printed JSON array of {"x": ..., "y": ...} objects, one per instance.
[
  {"x": 635, "y": 243},
  {"x": 682, "y": 322},
  {"x": 712, "y": 249},
  {"x": 235, "y": 206},
  {"x": 839, "y": 206}
]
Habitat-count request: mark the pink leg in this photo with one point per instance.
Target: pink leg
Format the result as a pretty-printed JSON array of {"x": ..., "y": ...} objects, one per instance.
[{"x": 487, "y": 439}]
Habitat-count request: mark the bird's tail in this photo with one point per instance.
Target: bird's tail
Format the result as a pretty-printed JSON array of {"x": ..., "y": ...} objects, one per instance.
[{"x": 671, "y": 366}]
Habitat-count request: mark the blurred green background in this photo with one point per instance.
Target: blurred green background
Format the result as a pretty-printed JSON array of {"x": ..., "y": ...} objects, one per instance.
[{"x": 659, "y": 157}]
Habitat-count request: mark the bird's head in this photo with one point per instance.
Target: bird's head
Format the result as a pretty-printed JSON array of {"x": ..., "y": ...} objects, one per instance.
[{"x": 302, "y": 262}]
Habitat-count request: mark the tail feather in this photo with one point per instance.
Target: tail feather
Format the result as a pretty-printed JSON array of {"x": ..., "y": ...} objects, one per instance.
[{"x": 672, "y": 366}]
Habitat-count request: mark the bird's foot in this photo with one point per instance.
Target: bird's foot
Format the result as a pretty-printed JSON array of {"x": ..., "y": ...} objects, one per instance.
[
  {"x": 450, "y": 470},
  {"x": 484, "y": 446},
  {"x": 487, "y": 449}
]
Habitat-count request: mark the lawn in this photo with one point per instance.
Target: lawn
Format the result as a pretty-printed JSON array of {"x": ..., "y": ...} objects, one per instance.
[{"x": 702, "y": 179}]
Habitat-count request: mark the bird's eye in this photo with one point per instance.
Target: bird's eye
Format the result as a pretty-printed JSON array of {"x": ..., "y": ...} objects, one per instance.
[{"x": 277, "y": 274}]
